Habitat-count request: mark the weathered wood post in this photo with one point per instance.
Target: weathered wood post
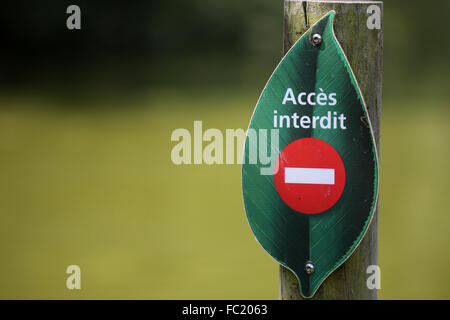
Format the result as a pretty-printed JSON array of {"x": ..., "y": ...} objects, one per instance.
[{"x": 363, "y": 47}]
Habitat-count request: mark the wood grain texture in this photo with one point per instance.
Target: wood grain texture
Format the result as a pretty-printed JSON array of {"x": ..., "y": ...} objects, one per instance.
[{"x": 363, "y": 48}]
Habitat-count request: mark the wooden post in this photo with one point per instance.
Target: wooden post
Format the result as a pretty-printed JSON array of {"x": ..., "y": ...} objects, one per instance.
[{"x": 363, "y": 47}]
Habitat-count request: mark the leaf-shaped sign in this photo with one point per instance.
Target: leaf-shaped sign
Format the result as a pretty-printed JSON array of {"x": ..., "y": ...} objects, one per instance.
[{"x": 311, "y": 210}]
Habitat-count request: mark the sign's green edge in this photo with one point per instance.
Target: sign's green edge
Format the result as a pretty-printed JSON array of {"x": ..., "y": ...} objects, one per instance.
[{"x": 376, "y": 182}]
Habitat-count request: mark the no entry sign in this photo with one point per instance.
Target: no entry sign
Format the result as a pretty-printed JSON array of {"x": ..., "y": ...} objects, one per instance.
[
  {"x": 309, "y": 175},
  {"x": 314, "y": 210}
]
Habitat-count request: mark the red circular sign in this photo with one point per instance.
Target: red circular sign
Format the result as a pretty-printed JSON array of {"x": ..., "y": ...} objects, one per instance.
[{"x": 309, "y": 175}]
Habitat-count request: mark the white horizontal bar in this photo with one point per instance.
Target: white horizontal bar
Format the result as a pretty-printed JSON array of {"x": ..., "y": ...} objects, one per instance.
[{"x": 308, "y": 176}]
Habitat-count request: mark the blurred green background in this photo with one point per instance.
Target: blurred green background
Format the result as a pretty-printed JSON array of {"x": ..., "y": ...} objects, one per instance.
[{"x": 85, "y": 171}]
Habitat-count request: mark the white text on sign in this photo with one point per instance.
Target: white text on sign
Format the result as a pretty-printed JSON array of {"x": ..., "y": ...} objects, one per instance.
[{"x": 332, "y": 120}]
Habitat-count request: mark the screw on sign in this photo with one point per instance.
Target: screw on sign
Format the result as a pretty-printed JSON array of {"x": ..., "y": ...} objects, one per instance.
[{"x": 314, "y": 211}]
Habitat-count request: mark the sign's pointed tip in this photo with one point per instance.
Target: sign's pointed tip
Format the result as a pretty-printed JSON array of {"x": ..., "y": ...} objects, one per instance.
[{"x": 330, "y": 15}]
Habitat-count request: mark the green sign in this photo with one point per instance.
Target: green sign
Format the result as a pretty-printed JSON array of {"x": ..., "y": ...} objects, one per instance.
[{"x": 313, "y": 209}]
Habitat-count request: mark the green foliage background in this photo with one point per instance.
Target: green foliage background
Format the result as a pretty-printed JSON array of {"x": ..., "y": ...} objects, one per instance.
[{"x": 85, "y": 170}]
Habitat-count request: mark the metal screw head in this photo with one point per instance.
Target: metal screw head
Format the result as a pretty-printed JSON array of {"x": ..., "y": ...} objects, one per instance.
[
  {"x": 309, "y": 267},
  {"x": 316, "y": 39}
]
